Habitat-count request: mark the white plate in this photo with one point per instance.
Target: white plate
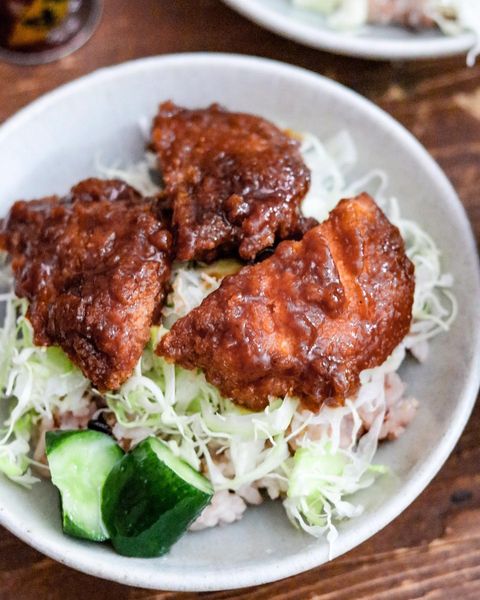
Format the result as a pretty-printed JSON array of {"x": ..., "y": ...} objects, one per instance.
[
  {"x": 53, "y": 143},
  {"x": 385, "y": 43}
]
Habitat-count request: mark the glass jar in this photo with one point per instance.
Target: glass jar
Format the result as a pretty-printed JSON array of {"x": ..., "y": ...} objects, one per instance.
[{"x": 40, "y": 31}]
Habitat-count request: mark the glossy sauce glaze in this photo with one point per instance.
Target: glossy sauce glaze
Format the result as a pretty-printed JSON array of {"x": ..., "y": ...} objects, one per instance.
[
  {"x": 234, "y": 181},
  {"x": 308, "y": 319},
  {"x": 94, "y": 267}
]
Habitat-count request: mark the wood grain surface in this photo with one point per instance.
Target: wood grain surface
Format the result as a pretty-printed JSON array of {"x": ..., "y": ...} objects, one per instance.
[{"x": 433, "y": 549}]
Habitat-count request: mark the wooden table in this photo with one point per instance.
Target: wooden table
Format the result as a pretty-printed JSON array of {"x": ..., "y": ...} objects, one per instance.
[{"x": 433, "y": 549}]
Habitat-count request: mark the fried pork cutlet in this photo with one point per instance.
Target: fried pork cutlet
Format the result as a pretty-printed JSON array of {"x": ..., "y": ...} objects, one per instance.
[
  {"x": 234, "y": 181},
  {"x": 307, "y": 320},
  {"x": 94, "y": 267}
]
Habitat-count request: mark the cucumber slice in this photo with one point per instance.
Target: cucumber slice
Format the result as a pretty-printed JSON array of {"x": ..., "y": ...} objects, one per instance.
[
  {"x": 79, "y": 462},
  {"x": 150, "y": 498}
]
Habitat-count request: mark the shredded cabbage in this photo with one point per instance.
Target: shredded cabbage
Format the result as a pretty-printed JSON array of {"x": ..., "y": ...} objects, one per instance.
[
  {"x": 455, "y": 16},
  {"x": 160, "y": 399},
  {"x": 319, "y": 460},
  {"x": 340, "y": 14},
  {"x": 142, "y": 175},
  {"x": 37, "y": 382}
]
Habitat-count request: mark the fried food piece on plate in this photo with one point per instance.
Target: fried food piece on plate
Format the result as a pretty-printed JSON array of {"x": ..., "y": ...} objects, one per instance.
[
  {"x": 94, "y": 266},
  {"x": 234, "y": 181},
  {"x": 307, "y": 320}
]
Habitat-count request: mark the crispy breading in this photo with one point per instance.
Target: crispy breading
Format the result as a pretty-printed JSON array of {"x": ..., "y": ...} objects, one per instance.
[
  {"x": 234, "y": 181},
  {"x": 307, "y": 320},
  {"x": 94, "y": 266}
]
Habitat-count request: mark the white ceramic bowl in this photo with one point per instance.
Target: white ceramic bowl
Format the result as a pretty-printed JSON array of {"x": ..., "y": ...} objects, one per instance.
[
  {"x": 377, "y": 42},
  {"x": 53, "y": 143}
]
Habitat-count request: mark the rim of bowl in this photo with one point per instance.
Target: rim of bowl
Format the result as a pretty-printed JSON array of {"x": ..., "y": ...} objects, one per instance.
[
  {"x": 267, "y": 571},
  {"x": 349, "y": 44}
]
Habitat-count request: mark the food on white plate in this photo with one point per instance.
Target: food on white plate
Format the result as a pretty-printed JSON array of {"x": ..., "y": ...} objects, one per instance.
[
  {"x": 312, "y": 438},
  {"x": 451, "y": 16},
  {"x": 309, "y": 319},
  {"x": 409, "y": 13}
]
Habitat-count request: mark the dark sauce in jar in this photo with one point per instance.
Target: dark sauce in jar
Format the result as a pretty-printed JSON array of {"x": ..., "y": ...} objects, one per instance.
[{"x": 38, "y": 31}]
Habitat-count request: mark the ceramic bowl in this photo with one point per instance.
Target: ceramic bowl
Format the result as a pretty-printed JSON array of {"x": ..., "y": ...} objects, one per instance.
[{"x": 55, "y": 141}]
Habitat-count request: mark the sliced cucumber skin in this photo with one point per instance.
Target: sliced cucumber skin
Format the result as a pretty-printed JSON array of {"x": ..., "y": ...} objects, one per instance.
[
  {"x": 146, "y": 506},
  {"x": 54, "y": 439},
  {"x": 58, "y": 442}
]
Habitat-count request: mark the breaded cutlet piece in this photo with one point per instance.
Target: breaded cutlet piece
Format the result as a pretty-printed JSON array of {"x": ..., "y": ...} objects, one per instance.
[
  {"x": 307, "y": 320},
  {"x": 94, "y": 267}
]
